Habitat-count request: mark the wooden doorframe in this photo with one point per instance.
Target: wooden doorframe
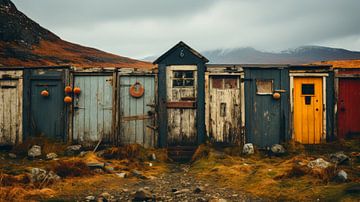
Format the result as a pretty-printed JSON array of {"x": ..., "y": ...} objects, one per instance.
[{"x": 304, "y": 74}]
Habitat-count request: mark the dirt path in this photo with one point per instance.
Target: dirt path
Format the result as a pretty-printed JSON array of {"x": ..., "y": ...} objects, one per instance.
[{"x": 180, "y": 185}]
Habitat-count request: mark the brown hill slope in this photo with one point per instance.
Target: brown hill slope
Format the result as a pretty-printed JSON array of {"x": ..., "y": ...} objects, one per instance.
[
  {"x": 342, "y": 63},
  {"x": 23, "y": 42}
]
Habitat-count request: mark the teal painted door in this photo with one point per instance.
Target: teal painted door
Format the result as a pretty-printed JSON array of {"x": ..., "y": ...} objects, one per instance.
[
  {"x": 264, "y": 114},
  {"x": 47, "y": 113},
  {"x": 137, "y": 113},
  {"x": 93, "y": 109}
]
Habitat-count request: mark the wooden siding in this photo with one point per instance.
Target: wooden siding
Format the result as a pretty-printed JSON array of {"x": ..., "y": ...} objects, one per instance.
[
  {"x": 11, "y": 86},
  {"x": 93, "y": 108},
  {"x": 224, "y": 110},
  {"x": 137, "y": 115},
  {"x": 181, "y": 120}
]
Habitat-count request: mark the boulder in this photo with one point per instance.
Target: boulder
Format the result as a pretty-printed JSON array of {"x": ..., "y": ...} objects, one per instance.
[
  {"x": 90, "y": 198},
  {"x": 41, "y": 175},
  {"x": 318, "y": 163},
  {"x": 339, "y": 158},
  {"x": 12, "y": 155},
  {"x": 277, "y": 149},
  {"x": 248, "y": 149},
  {"x": 142, "y": 195},
  {"x": 73, "y": 150},
  {"x": 50, "y": 156},
  {"x": 138, "y": 174},
  {"x": 105, "y": 196},
  {"x": 34, "y": 151},
  {"x": 342, "y": 176}
]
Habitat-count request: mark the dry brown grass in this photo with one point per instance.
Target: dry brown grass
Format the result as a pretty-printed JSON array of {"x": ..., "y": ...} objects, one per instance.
[
  {"x": 16, "y": 193},
  {"x": 71, "y": 168},
  {"x": 13, "y": 180}
]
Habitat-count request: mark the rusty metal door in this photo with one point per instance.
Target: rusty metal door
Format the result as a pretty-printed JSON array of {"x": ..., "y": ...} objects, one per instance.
[
  {"x": 225, "y": 117},
  {"x": 10, "y": 107},
  {"x": 92, "y": 119},
  {"x": 137, "y": 112},
  {"x": 348, "y": 107},
  {"x": 47, "y": 113},
  {"x": 181, "y": 105}
]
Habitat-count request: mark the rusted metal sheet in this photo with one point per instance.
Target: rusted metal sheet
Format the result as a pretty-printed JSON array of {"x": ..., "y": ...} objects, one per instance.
[
  {"x": 224, "y": 110},
  {"x": 181, "y": 105},
  {"x": 11, "y": 90},
  {"x": 137, "y": 114},
  {"x": 93, "y": 108},
  {"x": 348, "y": 107},
  {"x": 181, "y": 86}
]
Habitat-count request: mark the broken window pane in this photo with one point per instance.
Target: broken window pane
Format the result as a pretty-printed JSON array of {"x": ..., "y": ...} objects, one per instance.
[
  {"x": 264, "y": 87},
  {"x": 183, "y": 78},
  {"x": 230, "y": 82},
  {"x": 217, "y": 82}
]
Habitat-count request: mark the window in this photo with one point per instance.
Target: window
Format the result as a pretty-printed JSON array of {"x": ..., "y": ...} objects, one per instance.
[
  {"x": 224, "y": 82},
  {"x": 183, "y": 78},
  {"x": 264, "y": 87},
  {"x": 307, "y": 89}
]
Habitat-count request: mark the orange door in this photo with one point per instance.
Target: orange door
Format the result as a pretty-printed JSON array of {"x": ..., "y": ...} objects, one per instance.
[{"x": 308, "y": 110}]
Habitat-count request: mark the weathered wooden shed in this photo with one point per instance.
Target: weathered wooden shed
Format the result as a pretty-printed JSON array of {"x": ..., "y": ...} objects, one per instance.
[
  {"x": 45, "y": 113},
  {"x": 181, "y": 97},
  {"x": 11, "y": 91},
  {"x": 312, "y": 101},
  {"x": 136, "y": 103},
  {"x": 347, "y": 99},
  {"x": 225, "y": 104},
  {"x": 93, "y": 117},
  {"x": 266, "y": 104}
]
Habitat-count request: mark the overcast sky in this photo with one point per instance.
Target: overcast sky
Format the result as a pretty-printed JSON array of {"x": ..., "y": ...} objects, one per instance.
[{"x": 139, "y": 28}]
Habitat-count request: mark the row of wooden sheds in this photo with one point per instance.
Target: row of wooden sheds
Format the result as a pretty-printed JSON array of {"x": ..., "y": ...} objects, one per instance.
[{"x": 182, "y": 102}]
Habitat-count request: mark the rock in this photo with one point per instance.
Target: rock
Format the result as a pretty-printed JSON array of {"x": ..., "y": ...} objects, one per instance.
[
  {"x": 182, "y": 191},
  {"x": 277, "y": 149},
  {"x": 90, "y": 198},
  {"x": 248, "y": 148},
  {"x": 142, "y": 194},
  {"x": 153, "y": 157},
  {"x": 342, "y": 176},
  {"x": 138, "y": 174},
  {"x": 50, "y": 156},
  {"x": 83, "y": 153},
  {"x": 198, "y": 189},
  {"x": 218, "y": 200},
  {"x": 73, "y": 150},
  {"x": 318, "y": 163},
  {"x": 201, "y": 199},
  {"x": 105, "y": 196},
  {"x": 338, "y": 158},
  {"x": 173, "y": 190},
  {"x": 121, "y": 175},
  {"x": 40, "y": 175},
  {"x": 12, "y": 155},
  {"x": 34, "y": 151}
]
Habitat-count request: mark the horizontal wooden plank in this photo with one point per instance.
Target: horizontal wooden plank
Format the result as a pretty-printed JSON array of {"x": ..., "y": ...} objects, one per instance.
[
  {"x": 181, "y": 104},
  {"x": 133, "y": 118}
]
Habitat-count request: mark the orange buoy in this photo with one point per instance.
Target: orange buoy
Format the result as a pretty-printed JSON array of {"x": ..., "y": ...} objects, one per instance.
[
  {"x": 137, "y": 90},
  {"x": 68, "y": 89},
  {"x": 67, "y": 99},
  {"x": 77, "y": 90},
  {"x": 276, "y": 96},
  {"x": 44, "y": 93}
]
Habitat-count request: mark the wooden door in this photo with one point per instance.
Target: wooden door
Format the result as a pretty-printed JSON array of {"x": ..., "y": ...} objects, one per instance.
[
  {"x": 308, "y": 110},
  {"x": 137, "y": 114},
  {"x": 181, "y": 105},
  {"x": 348, "y": 107},
  {"x": 93, "y": 108},
  {"x": 10, "y": 111},
  {"x": 225, "y": 117},
  {"x": 47, "y": 114}
]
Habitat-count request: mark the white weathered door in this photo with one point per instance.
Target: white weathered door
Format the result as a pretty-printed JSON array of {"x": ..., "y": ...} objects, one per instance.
[
  {"x": 225, "y": 116},
  {"x": 181, "y": 105},
  {"x": 10, "y": 108}
]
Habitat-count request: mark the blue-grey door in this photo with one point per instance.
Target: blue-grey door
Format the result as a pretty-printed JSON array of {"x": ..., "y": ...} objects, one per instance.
[
  {"x": 92, "y": 119},
  {"x": 137, "y": 113},
  {"x": 46, "y": 115},
  {"x": 265, "y": 121}
]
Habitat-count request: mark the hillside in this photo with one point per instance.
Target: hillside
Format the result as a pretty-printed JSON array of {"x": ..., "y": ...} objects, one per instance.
[{"x": 24, "y": 42}]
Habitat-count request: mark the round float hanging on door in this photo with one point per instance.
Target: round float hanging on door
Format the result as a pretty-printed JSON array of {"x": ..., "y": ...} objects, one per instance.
[
  {"x": 67, "y": 99},
  {"x": 68, "y": 89},
  {"x": 44, "y": 93},
  {"x": 136, "y": 90},
  {"x": 276, "y": 96}
]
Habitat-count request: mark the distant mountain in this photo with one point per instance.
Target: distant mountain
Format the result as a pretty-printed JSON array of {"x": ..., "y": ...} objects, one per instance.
[
  {"x": 301, "y": 55},
  {"x": 24, "y": 42}
]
